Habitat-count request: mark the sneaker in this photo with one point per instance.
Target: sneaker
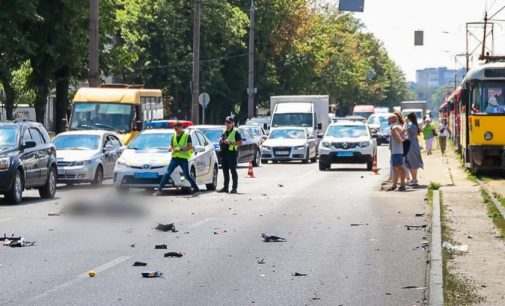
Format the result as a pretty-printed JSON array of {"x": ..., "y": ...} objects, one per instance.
[
  {"x": 392, "y": 188},
  {"x": 223, "y": 190},
  {"x": 402, "y": 188},
  {"x": 234, "y": 191}
]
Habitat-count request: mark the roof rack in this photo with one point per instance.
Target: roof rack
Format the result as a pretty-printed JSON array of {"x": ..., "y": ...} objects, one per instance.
[{"x": 22, "y": 120}]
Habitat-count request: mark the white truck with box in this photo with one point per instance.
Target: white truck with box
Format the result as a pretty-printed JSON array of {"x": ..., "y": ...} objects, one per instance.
[{"x": 310, "y": 112}]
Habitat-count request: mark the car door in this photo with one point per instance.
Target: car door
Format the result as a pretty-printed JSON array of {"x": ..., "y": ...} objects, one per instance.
[
  {"x": 245, "y": 149},
  {"x": 116, "y": 153},
  {"x": 41, "y": 156},
  {"x": 206, "y": 155},
  {"x": 108, "y": 155},
  {"x": 28, "y": 160}
]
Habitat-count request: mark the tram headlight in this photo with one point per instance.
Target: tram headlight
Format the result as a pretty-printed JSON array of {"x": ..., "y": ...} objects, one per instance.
[{"x": 488, "y": 136}]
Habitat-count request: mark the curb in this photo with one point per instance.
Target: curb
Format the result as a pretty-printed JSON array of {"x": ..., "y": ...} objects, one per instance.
[
  {"x": 436, "y": 261},
  {"x": 495, "y": 201}
]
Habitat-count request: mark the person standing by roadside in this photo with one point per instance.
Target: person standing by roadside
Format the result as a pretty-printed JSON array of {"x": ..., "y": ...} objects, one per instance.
[
  {"x": 230, "y": 142},
  {"x": 182, "y": 150},
  {"x": 397, "y": 139},
  {"x": 414, "y": 159},
  {"x": 443, "y": 135},
  {"x": 429, "y": 134}
]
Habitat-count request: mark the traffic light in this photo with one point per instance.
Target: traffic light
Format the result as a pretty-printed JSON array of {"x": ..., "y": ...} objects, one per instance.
[{"x": 418, "y": 38}]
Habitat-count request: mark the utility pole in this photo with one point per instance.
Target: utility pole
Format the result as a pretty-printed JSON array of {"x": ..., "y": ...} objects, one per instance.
[
  {"x": 195, "y": 84},
  {"x": 251, "y": 91},
  {"x": 93, "y": 46}
]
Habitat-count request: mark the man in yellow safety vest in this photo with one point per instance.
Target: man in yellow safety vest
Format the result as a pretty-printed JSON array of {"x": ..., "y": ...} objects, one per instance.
[
  {"x": 182, "y": 150},
  {"x": 230, "y": 143}
]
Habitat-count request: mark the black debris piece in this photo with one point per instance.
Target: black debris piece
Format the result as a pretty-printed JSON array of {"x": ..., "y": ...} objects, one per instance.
[
  {"x": 54, "y": 214},
  {"x": 132, "y": 245},
  {"x": 139, "y": 264},
  {"x": 166, "y": 228},
  {"x": 19, "y": 243},
  {"x": 261, "y": 261},
  {"x": 389, "y": 293},
  {"x": 154, "y": 274},
  {"x": 359, "y": 224},
  {"x": 160, "y": 247},
  {"x": 419, "y": 215},
  {"x": 414, "y": 287},
  {"x": 316, "y": 299},
  {"x": 280, "y": 185},
  {"x": 415, "y": 227},
  {"x": 11, "y": 238},
  {"x": 173, "y": 254},
  {"x": 297, "y": 274},
  {"x": 272, "y": 238}
]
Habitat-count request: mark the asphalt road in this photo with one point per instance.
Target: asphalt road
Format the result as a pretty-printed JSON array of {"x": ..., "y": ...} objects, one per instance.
[{"x": 345, "y": 234}]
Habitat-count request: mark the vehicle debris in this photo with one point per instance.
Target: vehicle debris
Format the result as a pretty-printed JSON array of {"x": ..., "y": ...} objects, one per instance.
[
  {"x": 297, "y": 274},
  {"x": 420, "y": 215},
  {"x": 151, "y": 274},
  {"x": 272, "y": 238},
  {"x": 160, "y": 247},
  {"x": 173, "y": 254},
  {"x": 16, "y": 242},
  {"x": 91, "y": 273},
  {"x": 166, "y": 228},
  {"x": 261, "y": 261},
  {"x": 414, "y": 287},
  {"x": 359, "y": 224},
  {"x": 416, "y": 227},
  {"x": 280, "y": 185},
  {"x": 139, "y": 264}
]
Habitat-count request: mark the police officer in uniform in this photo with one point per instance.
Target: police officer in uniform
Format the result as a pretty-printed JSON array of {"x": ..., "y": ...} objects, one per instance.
[
  {"x": 182, "y": 150},
  {"x": 230, "y": 142}
]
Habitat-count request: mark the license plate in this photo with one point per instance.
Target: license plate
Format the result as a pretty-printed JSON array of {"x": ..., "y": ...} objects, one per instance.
[
  {"x": 282, "y": 152},
  {"x": 345, "y": 154},
  {"x": 146, "y": 175}
]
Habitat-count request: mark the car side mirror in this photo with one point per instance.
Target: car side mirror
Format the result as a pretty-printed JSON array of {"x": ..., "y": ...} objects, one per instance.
[
  {"x": 138, "y": 125},
  {"x": 29, "y": 144}
]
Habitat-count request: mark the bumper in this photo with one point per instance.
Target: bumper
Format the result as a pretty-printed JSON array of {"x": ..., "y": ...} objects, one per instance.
[
  {"x": 284, "y": 154},
  {"x": 488, "y": 157},
  {"x": 76, "y": 174},
  {"x": 125, "y": 177},
  {"x": 383, "y": 138},
  {"x": 6, "y": 180},
  {"x": 355, "y": 158}
]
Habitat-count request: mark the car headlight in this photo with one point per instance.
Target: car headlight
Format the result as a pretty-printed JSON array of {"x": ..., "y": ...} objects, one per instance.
[
  {"x": 299, "y": 148},
  {"x": 326, "y": 144},
  {"x": 5, "y": 163},
  {"x": 364, "y": 144},
  {"x": 266, "y": 148},
  {"x": 488, "y": 136},
  {"x": 82, "y": 163},
  {"x": 121, "y": 162}
]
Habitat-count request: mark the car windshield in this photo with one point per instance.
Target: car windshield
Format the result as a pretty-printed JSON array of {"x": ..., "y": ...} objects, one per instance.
[
  {"x": 295, "y": 119},
  {"x": 8, "y": 137},
  {"x": 347, "y": 131},
  {"x": 489, "y": 97},
  {"x": 214, "y": 135},
  {"x": 108, "y": 116},
  {"x": 77, "y": 142},
  {"x": 377, "y": 119},
  {"x": 287, "y": 134},
  {"x": 152, "y": 141},
  {"x": 362, "y": 114}
]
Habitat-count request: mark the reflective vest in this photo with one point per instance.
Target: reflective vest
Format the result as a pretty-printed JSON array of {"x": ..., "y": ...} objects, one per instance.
[
  {"x": 177, "y": 146},
  {"x": 232, "y": 143}
]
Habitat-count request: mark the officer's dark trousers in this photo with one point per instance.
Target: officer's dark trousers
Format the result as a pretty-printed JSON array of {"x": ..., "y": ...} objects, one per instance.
[
  {"x": 230, "y": 165},
  {"x": 174, "y": 163}
]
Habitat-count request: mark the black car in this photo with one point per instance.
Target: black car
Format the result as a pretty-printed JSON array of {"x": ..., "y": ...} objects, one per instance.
[
  {"x": 27, "y": 160},
  {"x": 248, "y": 151}
]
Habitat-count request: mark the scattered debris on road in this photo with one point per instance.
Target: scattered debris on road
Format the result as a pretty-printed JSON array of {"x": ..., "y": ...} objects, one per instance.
[
  {"x": 268, "y": 238},
  {"x": 420, "y": 215},
  {"x": 160, "y": 247},
  {"x": 280, "y": 185},
  {"x": 166, "y": 228},
  {"x": 139, "y": 264},
  {"x": 298, "y": 274},
  {"x": 415, "y": 227},
  {"x": 359, "y": 224},
  {"x": 91, "y": 273},
  {"x": 132, "y": 245},
  {"x": 462, "y": 248},
  {"x": 173, "y": 254},
  {"x": 54, "y": 214},
  {"x": 261, "y": 261},
  {"x": 151, "y": 274},
  {"x": 414, "y": 287},
  {"x": 16, "y": 242}
]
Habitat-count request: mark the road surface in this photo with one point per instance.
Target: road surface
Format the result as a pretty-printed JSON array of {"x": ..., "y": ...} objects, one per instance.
[{"x": 345, "y": 234}]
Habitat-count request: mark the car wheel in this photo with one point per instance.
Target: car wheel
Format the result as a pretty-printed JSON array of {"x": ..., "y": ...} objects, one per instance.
[
  {"x": 15, "y": 194},
  {"x": 323, "y": 166},
  {"x": 98, "y": 180},
  {"x": 264, "y": 161},
  {"x": 257, "y": 159},
  {"x": 189, "y": 190},
  {"x": 213, "y": 186},
  {"x": 48, "y": 191}
]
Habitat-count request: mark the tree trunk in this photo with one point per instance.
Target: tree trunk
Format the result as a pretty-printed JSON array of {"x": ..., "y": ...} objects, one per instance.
[
  {"x": 61, "y": 103},
  {"x": 10, "y": 98},
  {"x": 42, "y": 91}
]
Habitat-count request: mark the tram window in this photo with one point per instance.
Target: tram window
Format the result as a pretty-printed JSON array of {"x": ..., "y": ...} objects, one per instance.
[{"x": 489, "y": 98}]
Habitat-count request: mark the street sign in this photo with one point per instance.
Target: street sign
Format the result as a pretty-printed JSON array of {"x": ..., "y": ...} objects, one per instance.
[
  {"x": 418, "y": 38},
  {"x": 351, "y": 5},
  {"x": 204, "y": 100}
]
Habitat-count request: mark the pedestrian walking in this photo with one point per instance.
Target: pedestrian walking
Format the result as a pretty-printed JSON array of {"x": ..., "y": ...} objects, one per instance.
[
  {"x": 397, "y": 151},
  {"x": 414, "y": 158},
  {"x": 182, "y": 150},
  {"x": 230, "y": 142},
  {"x": 429, "y": 134},
  {"x": 443, "y": 135}
]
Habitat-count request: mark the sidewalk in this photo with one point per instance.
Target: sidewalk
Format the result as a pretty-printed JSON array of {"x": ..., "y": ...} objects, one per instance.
[{"x": 475, "y": 276}]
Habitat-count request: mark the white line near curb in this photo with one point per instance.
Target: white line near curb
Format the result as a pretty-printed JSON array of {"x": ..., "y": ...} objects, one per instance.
[
  {"x": 81, "y": 277},
  {"x": 436, "y": 261}
]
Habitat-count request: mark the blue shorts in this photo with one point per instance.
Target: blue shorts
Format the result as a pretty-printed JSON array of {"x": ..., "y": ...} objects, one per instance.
[{"x": 397, "y": 160}]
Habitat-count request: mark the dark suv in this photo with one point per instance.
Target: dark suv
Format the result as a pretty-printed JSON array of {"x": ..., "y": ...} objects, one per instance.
[{"x": 27, "y": 160}]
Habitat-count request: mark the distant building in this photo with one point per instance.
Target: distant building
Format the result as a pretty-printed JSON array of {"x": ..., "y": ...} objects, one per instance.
[{"x": 438, "y": 77}]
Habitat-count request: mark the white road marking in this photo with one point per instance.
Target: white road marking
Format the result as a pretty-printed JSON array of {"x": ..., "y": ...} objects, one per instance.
[{"x": 81, "y": 277}]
